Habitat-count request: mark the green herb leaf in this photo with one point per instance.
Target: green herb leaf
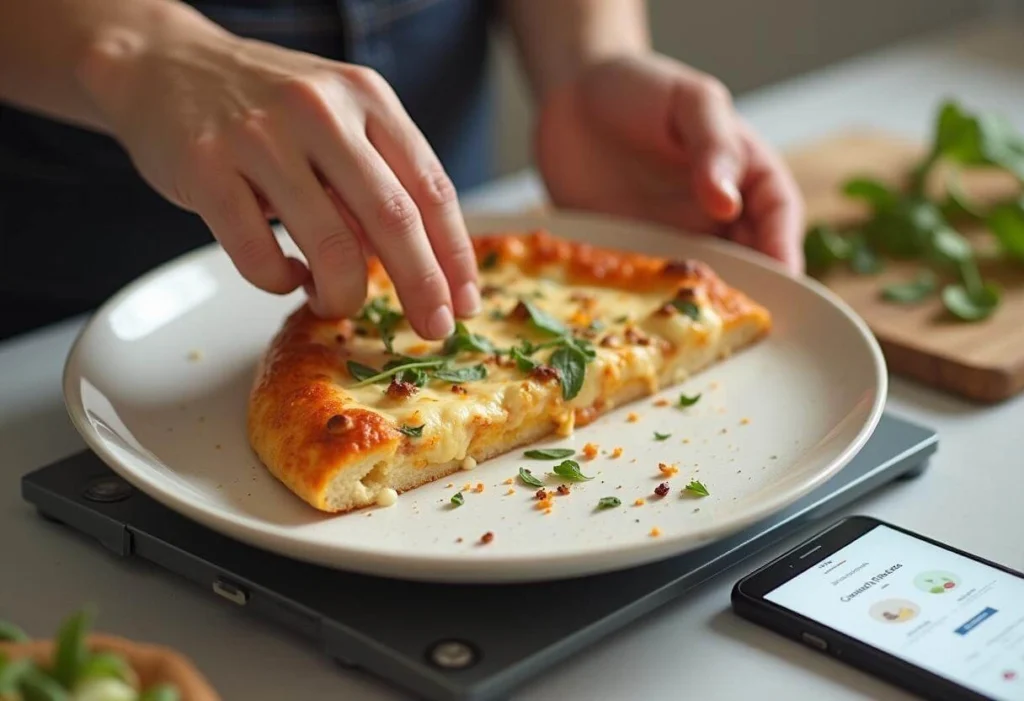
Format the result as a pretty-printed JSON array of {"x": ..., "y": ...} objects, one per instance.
[
  {"x": 687, "y": 307},
  {"x": 527, "y": 477},
  {"x": 35, "y": 685},
  {"x": 571, "y": 364},
  {"x": 958, "y": 205},
  {"x": 863, "y": 259},
  {"x": 71, "y": 652},
  {"x": 472, "y": 373},
  {"x": 608, "y": 503},
  {"x": 495, "y": 315},
  {"x": 361, "y": 372},
  {"x": 621, "y": 319},
  {"x": 823, "y": 247},
  {"x": 947, "y": 246},
  {"x": 400, "y": 369},
  {"x": 910, "y": 292},
  {"x": 161, "y": 693},
  {"x": 549, "y": 453},
  {"x": 524, "y": 362},
  {"x": 464, "y": 341},
  {"x": 662, "y": 436},
  {"x": 1007, "y": 223},
  {"x": 596, "y": 325},
  {"x": 458, "y": 499},
  {"x": 874, "y": 192},
  {"x": 11, "y": 674},
  {"x": 544, "y": 322},
  {"x": 685, "y": 401},
  {"x": 489, "y": 261},
  {"x": 412, "y": 431},
  {"x": 10, "y": 633},
  {"x": 970, "y": 306},
  {"x": 696, "y": 488},
  {"x": 105, "y": 665},
  {"x": 570, "y": 470},
  {"x": 379, "y": 314}
]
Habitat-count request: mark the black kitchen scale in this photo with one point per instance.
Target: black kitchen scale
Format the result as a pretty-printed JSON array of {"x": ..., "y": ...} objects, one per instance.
[{"x": 433, "y": 649}]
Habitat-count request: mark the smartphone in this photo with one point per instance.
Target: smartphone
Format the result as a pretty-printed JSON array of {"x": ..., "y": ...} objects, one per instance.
[{"x": 939, "y": 622}]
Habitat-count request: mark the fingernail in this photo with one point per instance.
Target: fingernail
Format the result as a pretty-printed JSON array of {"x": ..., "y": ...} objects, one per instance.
[
  {"x": 441, "y": 323},
  {"x": 467, "y": 299},
  {"x": 725, "y": 174}
]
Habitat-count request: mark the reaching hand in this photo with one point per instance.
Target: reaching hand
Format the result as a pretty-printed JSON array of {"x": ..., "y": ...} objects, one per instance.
[
  {"x": 233, "y": 129},
  {"x": 652, "y": 139}
]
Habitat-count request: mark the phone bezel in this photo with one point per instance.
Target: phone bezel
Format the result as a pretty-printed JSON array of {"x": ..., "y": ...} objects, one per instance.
[{"x": 749, "y": 602}]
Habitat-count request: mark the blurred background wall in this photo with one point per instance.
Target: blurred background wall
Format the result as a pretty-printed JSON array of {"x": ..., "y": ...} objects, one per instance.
[{"x": 751, "y": 43}]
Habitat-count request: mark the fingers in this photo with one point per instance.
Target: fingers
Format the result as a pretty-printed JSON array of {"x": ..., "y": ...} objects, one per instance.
[
  {"x": 703, "y": 116},
  {"x": 403, "y": 146},
  {"x": 231, "y": 210},
  {"x": 773, "y": 205}
]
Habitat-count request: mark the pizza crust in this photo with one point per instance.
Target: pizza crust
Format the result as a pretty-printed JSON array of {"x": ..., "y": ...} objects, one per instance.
[{"x": 339, "y": 447}]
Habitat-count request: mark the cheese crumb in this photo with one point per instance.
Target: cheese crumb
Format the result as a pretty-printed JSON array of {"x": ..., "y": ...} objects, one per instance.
[
  {"x": 468, "y": 463},
  {"x": 686, "y": 441},
  {"x": 509, "y": 481},
  {"x": 639, "y": 502},
  {"x": 479, "y": 487},
  {"x": 546, "y": 503},
  {"x": 617, "y": 453},
  {"x": 387, "y": 497},
  {"x": 655, "y": 532},
  {"x": 449, "y": 485},
  {"x": 632, "y": 417},
  {"x": 667, "y": 470},
  {"x": 744, "y": 421},
  {"x": 194, "y": 356},
  {"x": 466, "y": 487},
  {"x": 510, "y": 492},
  {"x": 590, "y": 451},
  {"x": 662, "y": 402}
]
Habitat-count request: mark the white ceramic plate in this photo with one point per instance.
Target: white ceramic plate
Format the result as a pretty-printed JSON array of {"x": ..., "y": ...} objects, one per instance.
[{"x": 157, "y": 384}]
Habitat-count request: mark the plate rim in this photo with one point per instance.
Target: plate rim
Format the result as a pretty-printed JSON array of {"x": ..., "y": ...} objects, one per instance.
[{"x": 504, "y": 569}]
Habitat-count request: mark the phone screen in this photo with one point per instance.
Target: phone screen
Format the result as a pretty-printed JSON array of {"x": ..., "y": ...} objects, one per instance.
[{"x": 958, "y": 618}]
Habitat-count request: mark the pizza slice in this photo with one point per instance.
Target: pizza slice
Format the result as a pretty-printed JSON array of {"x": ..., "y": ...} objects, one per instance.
[{"x": 349, "y": 413}]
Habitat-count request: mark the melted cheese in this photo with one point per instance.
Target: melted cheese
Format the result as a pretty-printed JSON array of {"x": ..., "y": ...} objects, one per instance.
[{"x": 507, "y": 399}]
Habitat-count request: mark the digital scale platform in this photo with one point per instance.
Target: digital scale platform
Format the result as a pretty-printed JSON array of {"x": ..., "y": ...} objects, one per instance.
[{"x": 433, "y": 650}]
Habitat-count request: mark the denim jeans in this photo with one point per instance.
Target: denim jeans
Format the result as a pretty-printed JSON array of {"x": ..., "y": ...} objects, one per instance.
[{"x": 76, "y": 220}]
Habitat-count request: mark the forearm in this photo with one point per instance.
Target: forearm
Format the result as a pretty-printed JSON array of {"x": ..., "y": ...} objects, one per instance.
[
  {"x": 557, "y": 39},
  {"x": 49, "y": 49}
]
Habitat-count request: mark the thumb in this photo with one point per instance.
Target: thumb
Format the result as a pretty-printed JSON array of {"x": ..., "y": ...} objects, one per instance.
[{"x": 708, "y": 129}]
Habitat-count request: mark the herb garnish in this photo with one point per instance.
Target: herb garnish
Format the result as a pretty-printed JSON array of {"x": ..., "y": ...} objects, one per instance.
[
  {"x": 471, "y": 373},
  {"x": 913, "y": 291},
  {"x": 662, "y": 436},
  {"x": 685, "y": 401},
  {"x": 462, "y": 340},
  {"x": 527, "y": 477},
  {"x": 489, "y": 261},
  {"x": 359, "y": 371},
  {"x": 696, "y": 488},
  {"x": 412, "y": 431},
  {"x": 570, "y": 470},
  {"x": 458, "y": 499},
  {"x": 382, "y": 317},
  {"x": 570, "y": 355},
  {"x": 608, "y": 502},
  {"x": 549, "y": 453},
  {"x": 400, "y": 368},
  {"x": 687, "y": 307},
  {"x": 544, "y": 322}
]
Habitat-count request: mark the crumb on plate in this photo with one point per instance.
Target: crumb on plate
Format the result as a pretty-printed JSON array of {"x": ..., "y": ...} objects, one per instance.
[
  {"x": 617, "y": 453},
  {"x": 632, "y": 417},
  {"x": 563, "y": 489},
  {"x": 590, "y": 451},
  {"x": 662, "y": 402},
  {"x": 639, "y": 502},
  {"x": 744, "y": 421},
  {"x": 194, "y": 356},
  {"x": 667, "y": 470},
  {"x": 510, "y": 492},
  {"x": 655, "y": 532},
  {"x": 486, "y": 538},
  {"x": 479, "y": 487}
]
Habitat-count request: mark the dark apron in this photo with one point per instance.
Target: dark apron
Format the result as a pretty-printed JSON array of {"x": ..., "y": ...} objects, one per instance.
[{"x": 77, "y": 222}]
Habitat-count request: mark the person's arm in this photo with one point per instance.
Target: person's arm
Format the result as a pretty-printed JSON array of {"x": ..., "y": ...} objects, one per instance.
[
  {"x": 558, "y": 39},
  {"x": 48, "y": 49}
]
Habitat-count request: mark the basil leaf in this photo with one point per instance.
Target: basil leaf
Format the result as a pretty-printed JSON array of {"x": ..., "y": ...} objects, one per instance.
[
  {"x": 914, "y": 291},
  {"x": 688, "y": 308},
  {"x": 462, "y": 340},
  {"x": 823, "y": 247},
  {"x": 10, "y": 633},
  {"x": 570, "y": 470},
  {"x": 412, "y": 431},
  {"x": 584, "y": 346},
  {"x": 970, "y": 306},
  {"x": 685, "y": 401},
  {"x": 544, "y": 322},
  {"x": 459, "y": 375},
  {"x": 696, "y": 488},
  {"x": 161, "y": 693},
  {"x": 550, "y": 453},
  {"x": 360, "y": 372},
  {"x": 489, "y": 261},
  {"x": 662, "y": 436},
  {"x": 71, "y": 652},
  {"x": 527, "y": 477},
  {"x": 379, "y": 314},
  {"x": 571, "y": 364},
  {"x": 104, "y": 665},
  {"x": 12, "y": 672},
  {"x": 458, "y": 499},
  {"x": 608, "y": 503},
  {"x": 958, "y": 205},
  {"x": 414, "y": 376},
  {"x": 400, "y": 370},
  {"x": 874, "y": 192},
  {"x": 523, "y": 362},
  {"x": 1007, "y": 223},
  {"x": 947, "y": 246},
  {"x": 35, "y": 685},
  {"x": 863, "y": 259}
]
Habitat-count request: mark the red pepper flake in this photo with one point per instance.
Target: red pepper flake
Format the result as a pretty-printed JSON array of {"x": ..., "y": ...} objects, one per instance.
[
  {"x": 458, "y": 540},
  {"x": 563, "y": 489},
  {"x": 486, "y": 538},
  {"x": 398, "y": 389},
  {"x": 541, "y": 494},
  {"x": 662, "y": 489},
  {"x": 460, "y": 390},
  {"x": 544, "y": 373}
]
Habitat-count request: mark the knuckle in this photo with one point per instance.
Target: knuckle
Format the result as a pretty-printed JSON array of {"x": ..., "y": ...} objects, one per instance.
[
  {"x": 429, "y": 286},
  {"x": 253, "y": 125},
  {"x": 368, "y": 81},
  {"x": 711, "y": 89},
  {"x": 338, "y": 248},
  {"x": 436, "y": 188},
  {"x": 397, "y": 214}
]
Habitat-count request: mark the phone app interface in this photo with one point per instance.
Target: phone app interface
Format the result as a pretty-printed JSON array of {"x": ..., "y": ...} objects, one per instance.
[{"x": 938, "y": 610}]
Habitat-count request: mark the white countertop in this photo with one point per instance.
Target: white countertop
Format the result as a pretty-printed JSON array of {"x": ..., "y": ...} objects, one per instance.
[{"x": 971, "y": 497}]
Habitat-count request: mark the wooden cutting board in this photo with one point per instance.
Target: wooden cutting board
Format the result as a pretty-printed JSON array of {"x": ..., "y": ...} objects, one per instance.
[{"x": 983, "y": 361}]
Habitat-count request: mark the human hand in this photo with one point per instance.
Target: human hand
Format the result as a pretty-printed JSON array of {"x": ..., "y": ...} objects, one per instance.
[
  {"x": 650, "y": 138},
  {"x": 233, "y": 129}
]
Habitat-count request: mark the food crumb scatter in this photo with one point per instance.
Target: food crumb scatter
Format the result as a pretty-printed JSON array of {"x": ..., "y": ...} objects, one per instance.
[
  {"x": 617, "y": 453},
  {"x": 667, "y": 470},
  {"x": 486, "y": 538},
  {"x": 655, "y": 532},
  {"x": 662, "y": 489},
  {"x": 546, "y": 503},
  {"x": 661, "y": 402},
  {"x": 467, "y": 486},
  {"x": 639, "y": 502},
  {"x": 563, "y": 489},
  {"x": 590, "y": 451},
  {"x": 632, "y": 417}
]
